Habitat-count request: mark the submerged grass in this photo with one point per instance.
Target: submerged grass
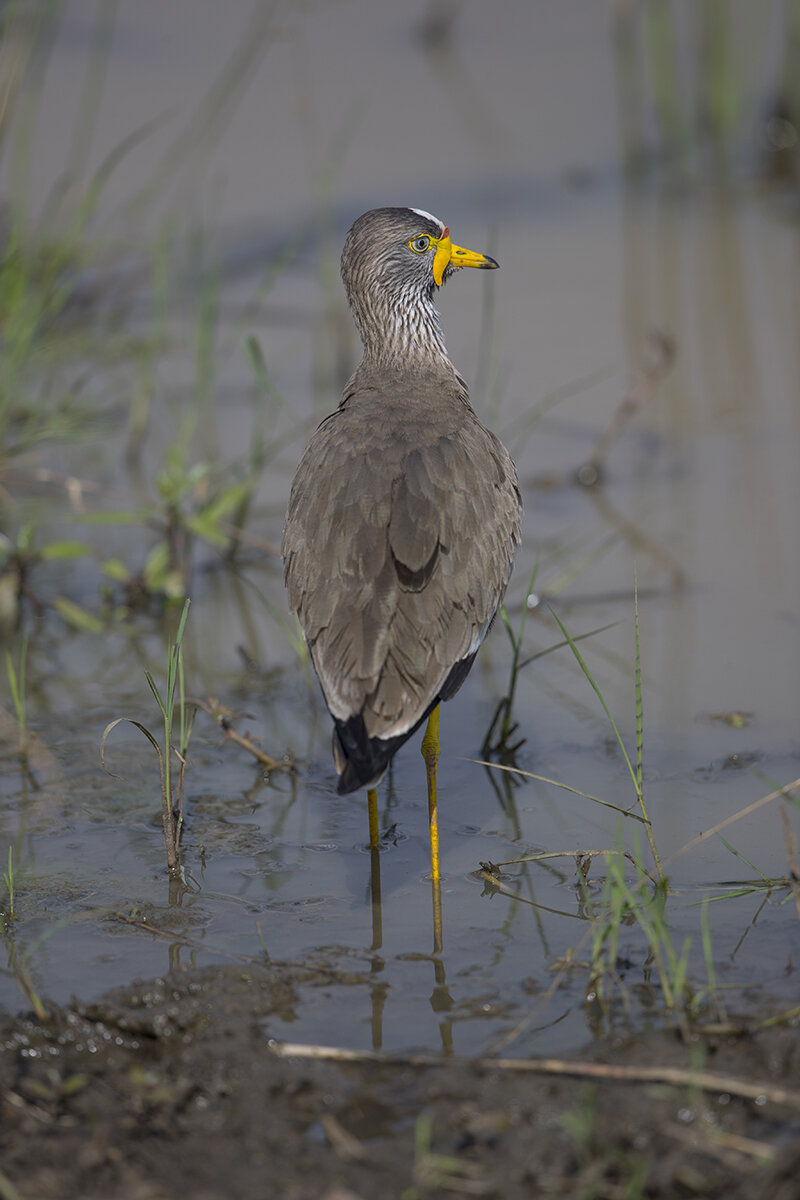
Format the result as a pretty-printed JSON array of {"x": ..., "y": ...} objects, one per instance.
[
  {"x": 635, "y": 912},
  {"x": 17, "y": 682},
  {"x": 171, "y": 785},
  {"x": 502, "y": 726},
  {"x": 636, "y": 772},
  {"x": 621, "y": 904},
  {"x": 67, "y": 347},
  {"x": 626, "y": 910},
  {"x": 18, "y": 959},
  {"x": 8, "y": 879}
]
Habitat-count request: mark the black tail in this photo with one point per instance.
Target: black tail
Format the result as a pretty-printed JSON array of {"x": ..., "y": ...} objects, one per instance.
[{"x": 361, "y": 760}]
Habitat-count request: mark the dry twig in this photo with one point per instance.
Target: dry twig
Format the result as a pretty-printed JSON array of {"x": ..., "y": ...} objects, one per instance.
[
  {"x": 225, "y": 718},
  {"x": 707, "y": 1081},
  {"x": 787, "y": 790}
]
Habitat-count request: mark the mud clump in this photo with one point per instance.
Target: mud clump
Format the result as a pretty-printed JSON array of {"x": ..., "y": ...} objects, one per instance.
[{"x": 171, "y": 1089}]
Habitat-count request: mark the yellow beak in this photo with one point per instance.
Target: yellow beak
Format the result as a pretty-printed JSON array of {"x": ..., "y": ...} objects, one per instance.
[{"x": 447, "y": 254}]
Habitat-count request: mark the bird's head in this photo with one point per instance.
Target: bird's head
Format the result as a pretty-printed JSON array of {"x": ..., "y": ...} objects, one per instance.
[
  {"x": 393, "y": 261},
  {"x": 403, "y": 251}
]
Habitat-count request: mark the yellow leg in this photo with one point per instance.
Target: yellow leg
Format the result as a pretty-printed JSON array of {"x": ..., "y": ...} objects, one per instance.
[
  {"x": 372, "y": 808},
  {"x": 430, "y": 752}
]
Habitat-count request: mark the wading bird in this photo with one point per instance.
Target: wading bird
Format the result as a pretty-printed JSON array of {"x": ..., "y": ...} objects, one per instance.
[{"x": 404, "y": 514}]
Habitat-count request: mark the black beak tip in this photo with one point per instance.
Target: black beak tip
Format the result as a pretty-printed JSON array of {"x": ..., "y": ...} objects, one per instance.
[{"x": 490, "y": 265}]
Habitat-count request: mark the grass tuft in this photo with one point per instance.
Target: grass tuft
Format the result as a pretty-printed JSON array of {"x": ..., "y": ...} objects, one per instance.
[
  {"x": 636, "y": 773},
  {"x": 171, "y": 786}
]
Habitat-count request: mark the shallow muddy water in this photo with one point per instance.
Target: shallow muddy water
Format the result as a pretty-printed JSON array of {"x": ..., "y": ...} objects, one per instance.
[{"x": 508, "y": 130}]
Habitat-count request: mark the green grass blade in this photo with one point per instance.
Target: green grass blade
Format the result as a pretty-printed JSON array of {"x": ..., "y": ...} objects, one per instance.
[
  {"x": 581, "y": 663},
  {"x": 738, "y": 854},
  {"x": 479, "y": 762},
  {"x": 581, "y": 637},
  {"x": 142, "y": 729},
  {"x": 156, "y": 693},
  {"x": 708, "y": 954}
]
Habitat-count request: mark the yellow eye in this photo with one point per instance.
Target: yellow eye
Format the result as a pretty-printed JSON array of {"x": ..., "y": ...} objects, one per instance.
[{"x": 420, "y": 244}]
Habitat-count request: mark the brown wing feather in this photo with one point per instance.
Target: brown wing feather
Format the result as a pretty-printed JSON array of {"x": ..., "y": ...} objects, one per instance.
[{"x": 400, "y": 536}]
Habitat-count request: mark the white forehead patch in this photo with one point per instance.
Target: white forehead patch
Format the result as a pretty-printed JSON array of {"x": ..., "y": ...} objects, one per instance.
[{"x": 429, "y": 217}]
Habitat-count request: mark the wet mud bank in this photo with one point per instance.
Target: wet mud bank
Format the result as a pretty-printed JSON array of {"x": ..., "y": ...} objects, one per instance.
[{"x": 173, "y": 1088}]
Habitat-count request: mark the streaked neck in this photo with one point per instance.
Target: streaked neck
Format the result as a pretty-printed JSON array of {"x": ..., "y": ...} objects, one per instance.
[{"x": 400, "y": 328}]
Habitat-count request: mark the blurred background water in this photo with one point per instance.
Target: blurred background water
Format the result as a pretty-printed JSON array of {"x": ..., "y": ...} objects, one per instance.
[{"x": 633, "y": 168}]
